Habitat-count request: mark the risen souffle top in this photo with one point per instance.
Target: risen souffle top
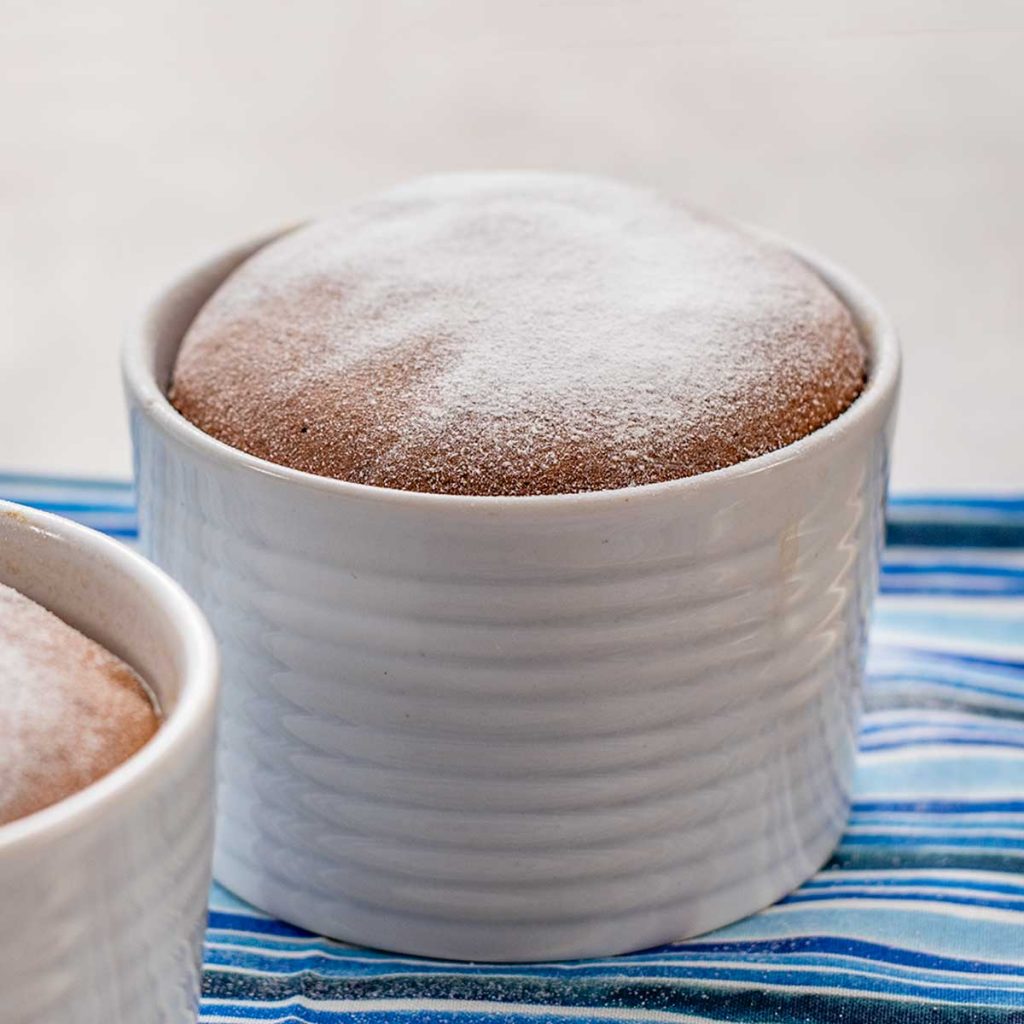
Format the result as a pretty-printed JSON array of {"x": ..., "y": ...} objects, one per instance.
[
  {"x": 70, "y": 711},
  {"x": 517, "y": 334}
]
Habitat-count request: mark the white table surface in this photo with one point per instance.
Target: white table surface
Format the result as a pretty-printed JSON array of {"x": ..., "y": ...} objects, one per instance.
[{"x": 889, "y": 135}]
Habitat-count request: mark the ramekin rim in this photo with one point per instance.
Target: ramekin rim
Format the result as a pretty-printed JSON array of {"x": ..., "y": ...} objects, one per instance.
[
  {"x": 877, "y": 330},
  {"x": 194, "y": 708}
]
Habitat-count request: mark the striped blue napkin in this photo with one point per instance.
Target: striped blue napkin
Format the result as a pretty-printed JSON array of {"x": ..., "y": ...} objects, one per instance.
[{"x": 918, "y": 917}]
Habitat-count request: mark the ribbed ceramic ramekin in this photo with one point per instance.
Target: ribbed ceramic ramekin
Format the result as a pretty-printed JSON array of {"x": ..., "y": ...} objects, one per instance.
[
  {"x": 523, "y": 728},
  {"x": 103, "y": 895}
]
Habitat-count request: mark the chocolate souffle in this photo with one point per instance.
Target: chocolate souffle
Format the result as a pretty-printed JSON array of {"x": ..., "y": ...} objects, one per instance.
[
  {"x": 70, "y": 711},
  {"x": 517, "y": 334}
]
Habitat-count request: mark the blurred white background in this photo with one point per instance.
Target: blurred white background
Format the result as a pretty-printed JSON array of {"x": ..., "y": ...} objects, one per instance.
[{"x": 888, "y": 134}]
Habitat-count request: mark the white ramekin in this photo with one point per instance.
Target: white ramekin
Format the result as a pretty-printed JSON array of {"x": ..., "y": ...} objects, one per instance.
[
  {"x": 103, "y": 895},
  {"x": 523, "y": 728}
]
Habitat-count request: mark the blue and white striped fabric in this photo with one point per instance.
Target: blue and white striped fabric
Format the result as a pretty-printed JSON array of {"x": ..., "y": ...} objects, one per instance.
[{"x": 918, "y": 917}]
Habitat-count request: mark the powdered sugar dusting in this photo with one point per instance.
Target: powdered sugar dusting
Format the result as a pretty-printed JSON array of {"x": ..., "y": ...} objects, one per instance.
[
  {"x": 517, "y": 334},
  {"x": 69, "y": 710}
]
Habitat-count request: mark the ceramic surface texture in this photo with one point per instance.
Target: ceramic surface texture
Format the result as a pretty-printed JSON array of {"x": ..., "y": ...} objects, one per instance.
[
  {"x": 103, "y": 895},
  {"x": 523, "y": 728}
]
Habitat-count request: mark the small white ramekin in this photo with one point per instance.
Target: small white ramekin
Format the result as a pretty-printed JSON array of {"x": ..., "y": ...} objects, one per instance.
[
  {"x": 103, "y": 895},
  {"x": 523, "y": 728}
]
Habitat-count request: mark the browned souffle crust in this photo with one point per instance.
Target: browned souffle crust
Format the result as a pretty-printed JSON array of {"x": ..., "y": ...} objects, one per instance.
[
  {"x": 70, "y": 711},
  {"x": 517, "y": 334}
]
